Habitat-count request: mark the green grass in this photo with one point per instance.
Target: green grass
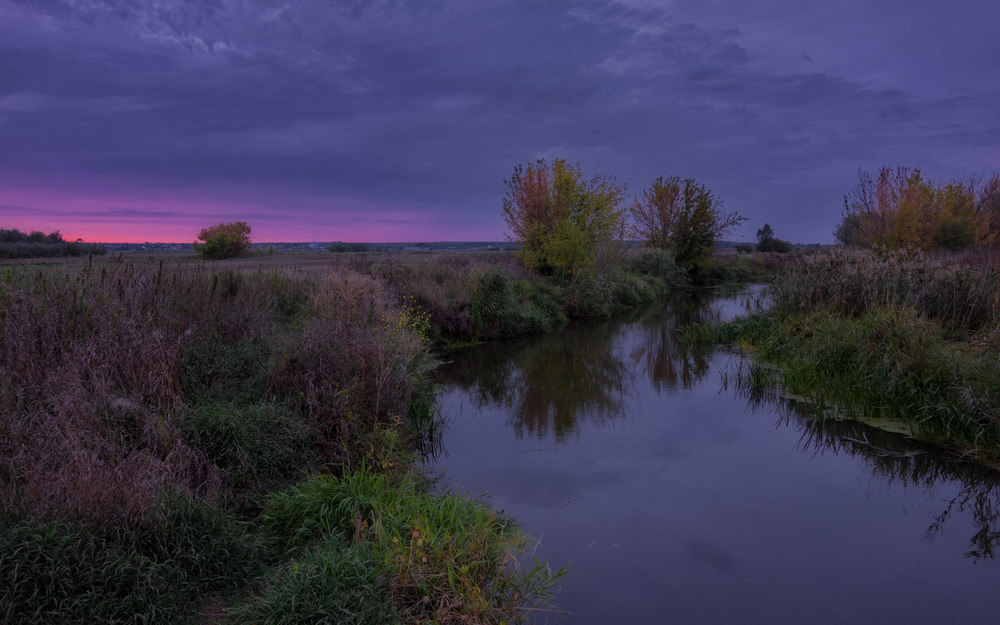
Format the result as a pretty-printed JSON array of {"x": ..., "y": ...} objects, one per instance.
[
  {"x": 69, "y": 572},
  {"x": 445, "y": 557},
  {"x": 329, "y": 583},
  {"x": 887, "y": 363}
]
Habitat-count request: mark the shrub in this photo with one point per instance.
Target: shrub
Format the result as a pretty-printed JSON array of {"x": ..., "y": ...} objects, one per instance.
[
  {"x": 224, "y": 240},
  {"x": 767, "y": 242}
]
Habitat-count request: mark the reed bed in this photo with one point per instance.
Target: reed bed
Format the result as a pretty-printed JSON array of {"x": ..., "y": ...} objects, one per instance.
[
  {"x": 962, "y": 297},
  {"x": 899, "y": 335}
]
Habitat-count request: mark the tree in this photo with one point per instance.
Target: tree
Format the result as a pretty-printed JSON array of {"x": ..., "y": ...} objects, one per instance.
[
  {"x": 684, "y": 217},
  {"x": 561, "y": 219},
  {"x": 767, "y": 242},
  {"x": 899, "y": 207},
  {"x": 224, "y": 240}
]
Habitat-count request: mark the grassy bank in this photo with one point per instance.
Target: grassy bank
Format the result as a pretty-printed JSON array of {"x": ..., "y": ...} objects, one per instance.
[
  {"x": 188, "y": 442},
  {"x": 897, "y": 337},
  {"x": 234, "y": 441}
]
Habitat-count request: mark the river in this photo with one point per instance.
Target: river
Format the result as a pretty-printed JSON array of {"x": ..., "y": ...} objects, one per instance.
[{"x": 675, "y": 495}]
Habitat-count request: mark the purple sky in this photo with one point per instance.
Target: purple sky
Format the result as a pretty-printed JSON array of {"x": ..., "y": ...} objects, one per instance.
[{"x": 318, "y": 120}]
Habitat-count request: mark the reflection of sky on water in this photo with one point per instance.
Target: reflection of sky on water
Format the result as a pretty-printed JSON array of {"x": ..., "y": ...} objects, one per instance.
[{"x": 674, "y": 502}]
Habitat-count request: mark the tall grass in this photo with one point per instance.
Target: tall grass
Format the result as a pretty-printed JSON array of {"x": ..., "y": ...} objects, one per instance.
[
  {"x": 146, "y": 408},
  {"x": 897, "y": 335},
  {"x": 963, "y": 298},
  {"x": 443, "y": 558}
]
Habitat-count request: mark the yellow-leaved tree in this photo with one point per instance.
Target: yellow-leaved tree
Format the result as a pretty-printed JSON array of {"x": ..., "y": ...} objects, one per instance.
[{"x": 563, "y": 221}]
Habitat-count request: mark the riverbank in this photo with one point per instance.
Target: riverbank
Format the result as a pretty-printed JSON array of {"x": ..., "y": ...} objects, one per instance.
[
  {"x": 188, "y": 443},
  {"x": 901, "y": 339}
]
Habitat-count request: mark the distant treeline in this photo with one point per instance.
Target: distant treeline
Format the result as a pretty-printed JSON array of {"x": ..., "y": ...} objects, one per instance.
[{"x": 37, "y": 244}]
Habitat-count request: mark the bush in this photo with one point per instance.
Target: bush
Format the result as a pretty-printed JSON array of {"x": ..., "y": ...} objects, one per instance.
[
  {"x": 224, "y": 240},
  {"x": 766, "y": 241}
]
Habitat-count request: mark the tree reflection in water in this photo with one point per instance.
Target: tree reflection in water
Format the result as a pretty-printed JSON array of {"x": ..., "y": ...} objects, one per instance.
[
  {"x": 898, "y": 460},
  {"x": 661, "y": 357},
  {"x": 548, "y": 382}
]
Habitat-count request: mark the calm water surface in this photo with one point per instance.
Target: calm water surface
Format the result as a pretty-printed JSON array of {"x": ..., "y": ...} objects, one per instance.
[{"x": 677, "y": 498}]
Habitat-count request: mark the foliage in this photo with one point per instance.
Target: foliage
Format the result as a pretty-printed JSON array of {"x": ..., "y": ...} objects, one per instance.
[
  {"x": 562, "y": 220},
  {"x": 963, "y": 299},
  {"x": 767, "y": 242},
  {"x": 447, "y": 558},
  {"x": 885, "y": 334},
  {"x": 122, "y": 381},
  {"x": 226, "y": 240},
  {"x": 67, "y": 572},
  {"x": 899, "y": 207},
  {"x": 36, "y": 244},
  {"x": 684, "y": 217}
]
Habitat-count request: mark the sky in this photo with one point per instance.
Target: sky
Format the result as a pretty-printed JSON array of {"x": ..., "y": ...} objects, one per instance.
[{"x": 400, "y": 120}]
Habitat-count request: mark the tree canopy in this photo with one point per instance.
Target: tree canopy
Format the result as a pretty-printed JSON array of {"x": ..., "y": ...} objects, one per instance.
[
  {"x": 561, "y": 219},
  {"x": 682, "y": 216},
  {"x": 899, "y": 207},
  {"x": 226, "y": 240}
]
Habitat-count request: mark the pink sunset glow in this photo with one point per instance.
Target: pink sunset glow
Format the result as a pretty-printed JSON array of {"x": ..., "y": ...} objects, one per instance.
[{"x": 164, "y": 217}]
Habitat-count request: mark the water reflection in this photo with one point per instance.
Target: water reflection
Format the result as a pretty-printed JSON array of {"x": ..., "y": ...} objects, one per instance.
[
  {"x": 550, "y": 382},
  {"x": 897, "y": 460},
  {"x": 660, "y": 356},
  {"x": 614, "y": 446}
]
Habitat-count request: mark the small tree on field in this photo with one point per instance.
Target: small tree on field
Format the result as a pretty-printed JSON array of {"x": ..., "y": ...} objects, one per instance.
[
  {"x": 767, "y": 242},
  {"x": 223, "y": 240},
  {"x": 562, "y": 220},
  {"x": 684, "y": 217}
]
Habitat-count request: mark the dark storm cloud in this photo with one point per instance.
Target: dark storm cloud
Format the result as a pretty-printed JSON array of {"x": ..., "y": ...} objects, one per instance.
[{"x": 435, "y": 102}]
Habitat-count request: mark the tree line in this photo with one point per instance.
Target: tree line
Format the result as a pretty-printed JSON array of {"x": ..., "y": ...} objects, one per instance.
[
  {"x": 37, "y": 244},
  {"x": 898, "y": 207},
  {"x": 568, "y": 224}
]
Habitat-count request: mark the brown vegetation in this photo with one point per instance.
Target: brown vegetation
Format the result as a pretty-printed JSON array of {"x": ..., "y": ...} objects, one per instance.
[{"x": 100, "y": 370}]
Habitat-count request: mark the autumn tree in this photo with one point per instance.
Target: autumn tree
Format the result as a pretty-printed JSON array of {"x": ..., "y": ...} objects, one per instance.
[
  {"x": 562, "y": 220},
  {"x": 898, "y": 207},
  {"x": 223, "y": 240},
  {"x": 682, "y": 216}
]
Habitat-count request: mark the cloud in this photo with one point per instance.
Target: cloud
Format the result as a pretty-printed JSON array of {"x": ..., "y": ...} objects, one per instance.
[{"x": 433, "y": 103}]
